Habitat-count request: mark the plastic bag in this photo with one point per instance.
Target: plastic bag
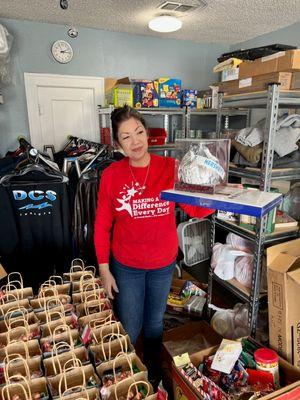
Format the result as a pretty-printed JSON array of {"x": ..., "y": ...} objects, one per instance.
[
  {"x": 243, "y": 269},
  {"x": 6, "y": 40},
  {"x": 239, "y": 243},
  {"x": 231, "y": 323},
  {"x": 223, "y": 260},
  {"x": 200, "y": 167}
]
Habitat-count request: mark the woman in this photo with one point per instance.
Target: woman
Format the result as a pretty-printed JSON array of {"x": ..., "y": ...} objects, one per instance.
[{"x": 139, "y": 229}]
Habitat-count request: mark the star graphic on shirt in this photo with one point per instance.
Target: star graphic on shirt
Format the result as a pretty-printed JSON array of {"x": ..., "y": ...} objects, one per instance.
[{"x": 131, "y": 192}]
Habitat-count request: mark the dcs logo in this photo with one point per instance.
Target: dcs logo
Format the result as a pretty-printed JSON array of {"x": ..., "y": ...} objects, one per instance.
[{"x": 35, "y": 195}]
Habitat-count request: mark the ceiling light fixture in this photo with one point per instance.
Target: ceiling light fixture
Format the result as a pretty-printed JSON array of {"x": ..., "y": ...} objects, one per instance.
[{"x": 165, "y": 23}]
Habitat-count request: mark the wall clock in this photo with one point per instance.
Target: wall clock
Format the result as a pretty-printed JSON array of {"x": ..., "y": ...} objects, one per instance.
[{"x": 62, "y": 51}]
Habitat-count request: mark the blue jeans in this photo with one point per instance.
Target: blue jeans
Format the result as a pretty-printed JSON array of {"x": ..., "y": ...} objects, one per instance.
[{"x": 142, "y": 298}]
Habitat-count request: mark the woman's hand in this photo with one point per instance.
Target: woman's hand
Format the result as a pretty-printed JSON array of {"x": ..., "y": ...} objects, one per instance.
[{"x": 108, "y": 280}]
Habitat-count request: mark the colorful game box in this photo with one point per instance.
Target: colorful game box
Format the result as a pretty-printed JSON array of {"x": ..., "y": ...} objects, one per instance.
[
  {"x": 189, "y": 98},
  {"x": 169, "y": 92},
  {"x": 145, "y": 93}
]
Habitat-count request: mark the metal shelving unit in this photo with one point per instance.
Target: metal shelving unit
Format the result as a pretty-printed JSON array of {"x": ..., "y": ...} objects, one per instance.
[
  {"x": 214, "y": 120},
  {"x": 168, "y": 118},
  {"x": 272, "y": 100},
  {"x": 252, "y": 296}
]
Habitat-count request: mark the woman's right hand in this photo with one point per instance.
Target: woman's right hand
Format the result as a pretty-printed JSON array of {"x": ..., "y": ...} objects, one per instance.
[{"x": 108, "y": 280}]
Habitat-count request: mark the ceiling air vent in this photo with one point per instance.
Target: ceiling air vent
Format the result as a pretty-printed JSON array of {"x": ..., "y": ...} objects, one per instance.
[{"x": 182, "y": 8}]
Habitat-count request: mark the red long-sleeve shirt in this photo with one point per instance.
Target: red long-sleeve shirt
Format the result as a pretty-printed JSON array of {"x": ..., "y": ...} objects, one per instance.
[{"x": 144, "y": 228}]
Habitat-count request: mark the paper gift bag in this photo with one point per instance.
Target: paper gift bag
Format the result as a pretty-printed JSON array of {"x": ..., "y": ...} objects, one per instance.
[
  {"x": 25, "y": 349},
  {"x": 76, "y": 271},
  {"x": 128, "y": 389},
  {"x": 14, "y": 364},
  {"x": 26, "y": 389},
  {"x": 15, "y": 286},
  {"x": 90, "y": 288},
  {"x": 53, "y": 305},
  {"x": 23, "y": 333},
  {"x": 61, "y": 333},
  {"x": 81, "y": 393},
  {"x": 15, "y": 316},
  {"x": 97, "y": 334},
  {"x": 87, "y": 278},
  {"x": 124, "y": 366},
  {"x": 92, "y": 305},
  {"x": 55, "y": 364},
  {"x": 74, "y": 374},
  {"x": 39, "y": 303},
  {"x": 10, "y": 301},
  {"x": 55, "y": 319},
  {"x": 112, "y": 344},
  {"x": 57, "y": 282},
  {"x": 97, "y": 319}
]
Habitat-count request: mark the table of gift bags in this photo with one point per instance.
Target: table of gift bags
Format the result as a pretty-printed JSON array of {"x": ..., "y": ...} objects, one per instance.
[{"x": 66, "y": 343}]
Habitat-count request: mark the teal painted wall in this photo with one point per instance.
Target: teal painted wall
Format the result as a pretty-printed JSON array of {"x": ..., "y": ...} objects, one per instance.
[
  {"x": 96, "y": 53},
  {"x": 289, "y": 35}
]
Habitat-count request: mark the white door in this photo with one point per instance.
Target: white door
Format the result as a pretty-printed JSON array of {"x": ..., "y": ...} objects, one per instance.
[{"x": 59, "y": 106}]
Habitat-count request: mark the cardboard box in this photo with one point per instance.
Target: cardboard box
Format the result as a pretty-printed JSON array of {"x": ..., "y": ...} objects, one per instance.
[
  {"x": 287, "y": 61},
  {"x": 257, "y": 83},
  {"x": 169, "y": 91},
  {"x": 145, "y": 94},
  {"x": 283, "y": 263},
  {"x": 208, "y": 98},
  {"x": 295, "y": 85},
  {"x": 118, "y": 92},
  {"x": 188, "y": 338},
  {"x": 289, "y": 378},
  {"x": 189, "y": 98},
  {"x": 230, "y": 74},
  {"x": 3, "y": 273}
]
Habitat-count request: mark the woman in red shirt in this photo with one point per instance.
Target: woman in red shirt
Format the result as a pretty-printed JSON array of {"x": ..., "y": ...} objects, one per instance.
[{"x": 139, "y": 230}]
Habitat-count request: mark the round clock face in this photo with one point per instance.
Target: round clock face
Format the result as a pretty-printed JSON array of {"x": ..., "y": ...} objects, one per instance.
[{"x": 62, "y": 51}]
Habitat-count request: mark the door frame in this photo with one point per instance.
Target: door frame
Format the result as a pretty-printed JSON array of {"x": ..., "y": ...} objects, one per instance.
[{"x": 34, "y": 80}]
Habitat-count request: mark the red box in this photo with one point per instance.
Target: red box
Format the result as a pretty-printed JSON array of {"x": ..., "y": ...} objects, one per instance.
[{"x": 157, "y": 136}]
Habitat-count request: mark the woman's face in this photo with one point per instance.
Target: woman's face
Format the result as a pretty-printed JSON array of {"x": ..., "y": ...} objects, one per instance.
[{"x": 133, "y": 139}]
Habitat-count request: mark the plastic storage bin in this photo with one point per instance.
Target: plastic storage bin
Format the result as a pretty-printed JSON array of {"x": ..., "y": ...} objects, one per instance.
[{"x": 202, "y": 164}]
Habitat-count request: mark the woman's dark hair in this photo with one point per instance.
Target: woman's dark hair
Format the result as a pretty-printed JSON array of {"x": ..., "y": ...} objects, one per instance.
[{"x": 122, "y": 114}]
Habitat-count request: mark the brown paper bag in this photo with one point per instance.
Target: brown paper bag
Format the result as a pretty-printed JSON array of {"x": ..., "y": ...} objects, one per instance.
[
  {"x": 14, "y": 364},
  {"x": 48, "y": 328},
  {"x": 58, "y": 283},
  {"x": 54, "y": 305},
  {"x": 76, "y": 271},
  {"x": 107, "y": 328},
  {"x": 26, "y": 389},
  {"x": 25, "y": 349},
  {"x": 92, "y": 287},
  {"x": 124, "y": 361},
  {"x": 125, "y": 390},
  {"x": 15, "y": 316},
  {"x": 92, "y": 305},
  {"x": 15, "y": 286},
  {"x": 87, "y": 278},
  {"x": 23, "y": 333},
  {"x": 97, "y": 319},
  {"x": 112, "y": 344},
  {"x": 54, "y": 364},
  {"x": 73, "y": 374},
  {"x": 81, "y": 393},
  {"x": 39, "y": 303},
  {"x": 14, "y": 302},
  {"x": 61, "y": 333}
]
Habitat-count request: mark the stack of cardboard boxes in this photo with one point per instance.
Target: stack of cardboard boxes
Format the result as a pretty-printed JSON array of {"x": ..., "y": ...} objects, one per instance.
[{"x": 253, "y": 76}]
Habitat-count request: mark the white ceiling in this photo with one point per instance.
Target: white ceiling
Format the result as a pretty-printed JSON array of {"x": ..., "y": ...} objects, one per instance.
[{"x": 229, "y": 21}]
